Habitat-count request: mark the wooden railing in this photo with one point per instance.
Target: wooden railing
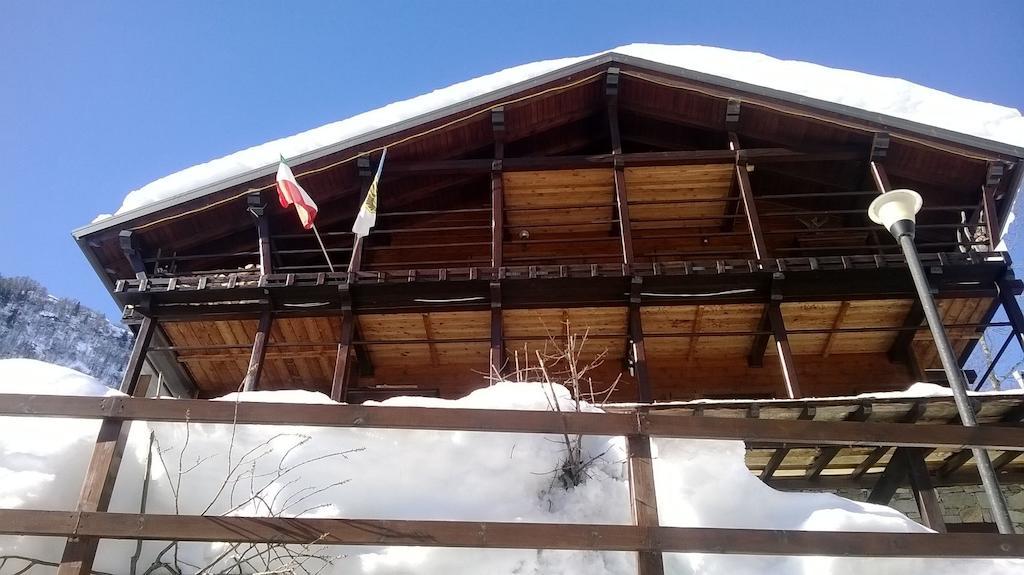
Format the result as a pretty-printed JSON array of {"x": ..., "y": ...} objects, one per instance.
[{"x": 90, "y": 521}]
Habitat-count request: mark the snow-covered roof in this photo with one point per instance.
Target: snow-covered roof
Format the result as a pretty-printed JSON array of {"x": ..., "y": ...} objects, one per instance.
[{"x": 885, "y": 100}]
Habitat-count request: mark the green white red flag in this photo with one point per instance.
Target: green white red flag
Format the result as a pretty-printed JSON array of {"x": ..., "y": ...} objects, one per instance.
[
  {"x": 290, "y": 193},
  {"x": 368, "y": 211}
]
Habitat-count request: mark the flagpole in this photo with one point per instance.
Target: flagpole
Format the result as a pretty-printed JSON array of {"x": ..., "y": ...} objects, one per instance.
[{"x": 327, "y": 257}]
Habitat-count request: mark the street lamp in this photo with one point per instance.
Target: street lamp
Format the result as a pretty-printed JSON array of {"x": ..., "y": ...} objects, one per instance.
[{"x": 896, "y": 210}]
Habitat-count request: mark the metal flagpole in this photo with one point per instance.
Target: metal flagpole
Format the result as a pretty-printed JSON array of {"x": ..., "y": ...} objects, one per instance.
[{"x": 321, "y": 241}]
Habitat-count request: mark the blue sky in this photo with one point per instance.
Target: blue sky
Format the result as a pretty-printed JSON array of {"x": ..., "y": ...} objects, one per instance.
[{"x": 101, "y": 98}]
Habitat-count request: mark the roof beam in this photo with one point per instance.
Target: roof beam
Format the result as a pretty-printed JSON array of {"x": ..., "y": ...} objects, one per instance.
[{"x": 827, "y": 454}]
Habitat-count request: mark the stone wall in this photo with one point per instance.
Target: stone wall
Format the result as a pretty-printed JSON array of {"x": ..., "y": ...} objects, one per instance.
[{"x": 960, "y": 504}]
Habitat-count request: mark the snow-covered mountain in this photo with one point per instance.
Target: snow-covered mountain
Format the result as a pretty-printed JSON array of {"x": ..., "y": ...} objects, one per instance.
[{"x": 38, "y": 325}]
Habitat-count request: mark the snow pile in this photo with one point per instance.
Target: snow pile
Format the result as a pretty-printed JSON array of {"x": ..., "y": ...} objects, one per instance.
[
  {"x": 889, "y": 96},
  {"x": 361, "y": 473}
]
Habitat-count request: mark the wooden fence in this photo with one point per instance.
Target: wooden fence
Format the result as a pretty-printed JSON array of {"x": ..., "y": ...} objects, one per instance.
[{"x": 90, "y": 522}]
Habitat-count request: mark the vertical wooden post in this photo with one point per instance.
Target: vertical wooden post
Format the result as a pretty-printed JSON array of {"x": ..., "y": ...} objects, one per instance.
[
  {"x": 366, "y": 178},
  {"x": 742, "y": 177},
  {"x": 259, "y": 352},
  {"x": 993, "y": 175},
  {"x": 778, "y": 328},
  {"x": 924, "y": 493},
  {"x": 618, "y": 167},
  {"x": 258, "y": 209},
  {"x": 341, "y": 381},
  {"x": 100, "y": 476},
  {"x": 644, "y": 500},
  {"x": 497, "y": 355},
  {"x": 636, "y": 336},
  {"x": 497, "y": 188}
]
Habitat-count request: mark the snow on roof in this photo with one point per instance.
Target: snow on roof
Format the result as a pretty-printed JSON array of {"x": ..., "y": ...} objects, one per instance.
[{"x": 889, "y": 96}]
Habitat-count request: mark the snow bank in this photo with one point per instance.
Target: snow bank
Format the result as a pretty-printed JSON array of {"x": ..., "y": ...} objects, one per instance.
[
  {"x": 889, "y": 96},
  {"x": 293, "y": 471}
]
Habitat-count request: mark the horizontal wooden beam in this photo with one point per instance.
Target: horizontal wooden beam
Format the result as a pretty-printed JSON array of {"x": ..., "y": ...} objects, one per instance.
[
  {"x": 511, "y": 421},
  {"x": 497, "y": 535},
  {"x": 760, "y": 155}
]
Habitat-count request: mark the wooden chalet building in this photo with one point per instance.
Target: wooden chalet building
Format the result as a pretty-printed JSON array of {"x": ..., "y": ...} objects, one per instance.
[{"x": 711, "y": 236}]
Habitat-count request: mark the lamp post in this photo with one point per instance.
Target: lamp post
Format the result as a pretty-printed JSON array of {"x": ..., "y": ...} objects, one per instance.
[{"x": 896, "y": 211}]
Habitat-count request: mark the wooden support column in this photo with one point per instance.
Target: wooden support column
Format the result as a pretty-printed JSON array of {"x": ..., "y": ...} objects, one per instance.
[
  {"x": 257, "y": 207},
  {"x": 100, "y": 476},
  {"x": 891, "y": 479},
  {"x": 355, "y": 263},
  {"x": 251, "y": 382},
  {"x": 924, "y": 493},
  {"x": 636, "y": 341},
  {"x": 497, "y": 355},
  {"x": 130, "y": 248},
  {"x": 993, "y": 176},
  {"x": 827, "y": 454},
  {"x": 732, "y": 122},
  {"x": 497, "y": 188},
  {"x": 619, "y": 168},
  {"x": 644, "y": 500},
  {"x": 342, "y": 365},
  {"x": 742, "y": 178}
]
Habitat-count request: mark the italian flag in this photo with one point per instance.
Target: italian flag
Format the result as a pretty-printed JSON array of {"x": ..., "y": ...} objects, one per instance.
[
  {"x": 368, "y": 211},
  {"x": 290, "y": 193}
]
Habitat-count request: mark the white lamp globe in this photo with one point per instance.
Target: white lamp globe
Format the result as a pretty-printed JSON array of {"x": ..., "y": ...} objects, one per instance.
[{"x": 894, "y": 206}]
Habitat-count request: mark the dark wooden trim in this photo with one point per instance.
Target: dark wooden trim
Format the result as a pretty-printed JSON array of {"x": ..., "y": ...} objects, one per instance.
[
  {"x": 495, "y": 535},
  {"x": 132, "y": 253},
  {"x": 759, "y": 346},
  {"x": 643, "y": 499},
  {"x": 259, "y": 352},
  {"x": 636, "y": 336},
  {"x": 619, "y": 172},
  {"x": 101, "y": 474},
  {"x": 636, "y": 159},
  {"x": 786, "y": 357},
  {"x": 924, "y": 492},
  {"x": 355, "y": 263},
  {"x": 912, "y": 415},
  {"x": 497, "y": 353},
  {"x": 891, "y": 479},
  {"x": 137, "y": 358},
  {"x": 827, "y": 454},
  {"x": 1008, "y": 299},
  {"x": 792, "y": 432},
  {"x": 900, "y": 351},
  {"x": 258, "y": 208},
  {"x": 879, "y": 176},
  {"x": 780, "y": 454},
  {"x": 993, "y": 176},
  {"x": 498, "y": 188},
  {"x": 954, "y": 462},
  {"x": 341, "y": 382},
  {"x": 749, "y": 205}
]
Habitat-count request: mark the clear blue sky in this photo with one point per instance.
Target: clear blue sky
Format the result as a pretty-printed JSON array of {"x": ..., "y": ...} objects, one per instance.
[{"x": 101, "y": 98}]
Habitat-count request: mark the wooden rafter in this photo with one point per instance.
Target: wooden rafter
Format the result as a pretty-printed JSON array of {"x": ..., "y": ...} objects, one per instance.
[
  {"x": 837, "y": 323},
  {"x": 827, "y": 454}
]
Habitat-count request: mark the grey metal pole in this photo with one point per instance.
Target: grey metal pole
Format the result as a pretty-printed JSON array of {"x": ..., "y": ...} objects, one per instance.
[{"x": 955, "y": 376}]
